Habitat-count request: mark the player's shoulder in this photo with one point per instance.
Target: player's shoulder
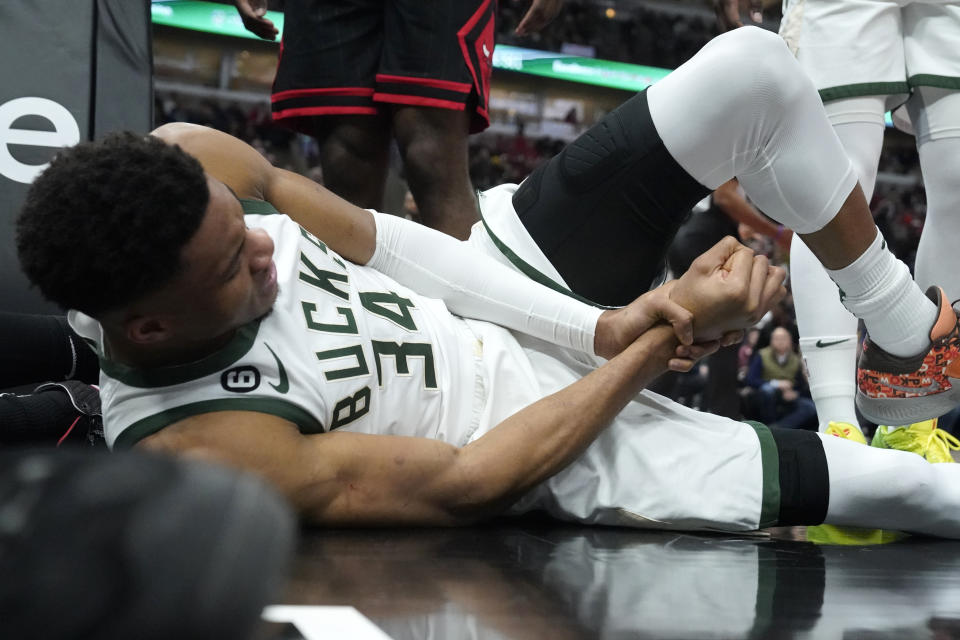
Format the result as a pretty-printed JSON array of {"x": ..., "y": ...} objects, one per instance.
[
  {"x": 182, "y": 132},
  {"x": 218, "y": 431}
]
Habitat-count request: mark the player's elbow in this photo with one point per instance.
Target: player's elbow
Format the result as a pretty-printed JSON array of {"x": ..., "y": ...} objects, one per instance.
[{"x": 472, "y": 493}]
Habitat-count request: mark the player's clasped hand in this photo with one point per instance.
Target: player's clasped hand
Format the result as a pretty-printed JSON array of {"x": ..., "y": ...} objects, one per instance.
[
  {"x": 618, "y": 328},
  {"x": 728, "y": 289}
]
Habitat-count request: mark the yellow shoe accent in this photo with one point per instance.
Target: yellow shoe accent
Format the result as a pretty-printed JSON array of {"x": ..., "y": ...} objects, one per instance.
[
  {"x": 846, "y": 431},
  {"x": 921, "y": 438},
  {"x": 829, "y": 534}
]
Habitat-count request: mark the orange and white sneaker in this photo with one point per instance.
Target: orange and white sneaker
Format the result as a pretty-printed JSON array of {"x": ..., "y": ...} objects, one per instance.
[{"x": 895, "y": 390}]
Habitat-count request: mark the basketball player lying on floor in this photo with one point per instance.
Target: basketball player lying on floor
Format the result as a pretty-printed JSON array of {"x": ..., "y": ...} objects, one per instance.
[{"x": 381, "y": 373}]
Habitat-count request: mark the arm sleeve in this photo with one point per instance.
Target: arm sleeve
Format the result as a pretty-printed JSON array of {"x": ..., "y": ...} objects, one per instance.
[{"x": 474, "y": 285}]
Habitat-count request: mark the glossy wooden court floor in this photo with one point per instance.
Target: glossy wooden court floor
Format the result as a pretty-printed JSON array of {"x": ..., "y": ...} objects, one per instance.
[{"x": 559, "y": 582}]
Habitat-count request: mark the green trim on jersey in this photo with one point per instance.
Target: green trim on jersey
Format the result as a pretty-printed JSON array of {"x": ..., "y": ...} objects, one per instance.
[
  {"x": 238, "y": 347},
  {"x": 257, "y": 207},
  {"x": 532, "y": 272},
  {"x": 931, "y": 80},
  {"x": 140, "y": 429},
  {"x": 863, "y": 89},
  {"x": 770, "y": 462}
]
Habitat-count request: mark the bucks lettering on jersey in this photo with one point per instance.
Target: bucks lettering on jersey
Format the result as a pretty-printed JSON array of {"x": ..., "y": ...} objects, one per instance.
[{"x": 345, "y": 347}]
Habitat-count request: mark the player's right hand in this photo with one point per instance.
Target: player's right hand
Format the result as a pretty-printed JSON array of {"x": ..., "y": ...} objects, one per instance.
[
  {"x": 728, "y": 12},
  {"x": 252, "y": 13},
  {"x": 728, "y": 288}
]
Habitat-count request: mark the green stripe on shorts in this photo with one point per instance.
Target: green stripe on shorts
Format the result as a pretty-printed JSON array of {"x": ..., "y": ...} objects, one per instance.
[
  {"x": 863, "y": 89},
  {"x": 931, "y": 80},
  {"x": 770, "y": 462}
]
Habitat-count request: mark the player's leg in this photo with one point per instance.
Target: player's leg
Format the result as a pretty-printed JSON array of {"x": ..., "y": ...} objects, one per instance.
[
  {"x": 764, "y": 124},
  {"x": 933, "y": 68},
  {"x": 828, "y": 332},
  {"x": 433, "y": 144},
  {"x": 435, "y": 74},
  {"x": 324, "y": 87},
  {"x": 887, "y": 489},
  {"x": 354, "y": 156},
  {"x": 604, "y": 210},
  {"x": 935, "y": 113},
  {"x": 853, "y": 53}
]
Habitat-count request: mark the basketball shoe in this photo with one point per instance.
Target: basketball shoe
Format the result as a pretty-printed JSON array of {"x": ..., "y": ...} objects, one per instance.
[
  {"x": 895, "y": 390},
  {"x": 921, "y": 438},
  {"x": 846, "y": 431}
]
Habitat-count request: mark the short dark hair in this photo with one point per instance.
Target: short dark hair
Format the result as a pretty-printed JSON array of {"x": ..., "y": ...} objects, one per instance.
[{"x": 106, "y": 222}]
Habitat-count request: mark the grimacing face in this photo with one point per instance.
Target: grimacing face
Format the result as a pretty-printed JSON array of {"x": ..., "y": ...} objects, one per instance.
[{"x": 228, "y": 277}]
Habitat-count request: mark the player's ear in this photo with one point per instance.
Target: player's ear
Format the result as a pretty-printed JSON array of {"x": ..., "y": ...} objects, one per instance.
[{"x": 146, "y": 329}]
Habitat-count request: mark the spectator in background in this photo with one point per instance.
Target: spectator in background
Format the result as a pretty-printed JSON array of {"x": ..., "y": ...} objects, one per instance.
[
  {"x": 776, "y": 375},
  {"x": 356, "y": 76},
  {"x": 745, "y": 353}
]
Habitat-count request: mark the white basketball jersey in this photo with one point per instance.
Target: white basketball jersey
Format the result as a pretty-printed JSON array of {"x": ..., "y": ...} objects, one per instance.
[{"x": 345, "y": 347}]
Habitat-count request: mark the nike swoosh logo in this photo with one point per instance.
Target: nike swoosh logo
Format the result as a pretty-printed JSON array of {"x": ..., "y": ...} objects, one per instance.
[
  {"x": 933, "y": 387},
  {"x": 284, "y": 385},
  {"x": 821, "y": 344}
]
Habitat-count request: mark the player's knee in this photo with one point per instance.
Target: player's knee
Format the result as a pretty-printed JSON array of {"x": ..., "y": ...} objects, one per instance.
[
  {"x": 430, "y": 159},
  {"x": 756, "y": 61}
]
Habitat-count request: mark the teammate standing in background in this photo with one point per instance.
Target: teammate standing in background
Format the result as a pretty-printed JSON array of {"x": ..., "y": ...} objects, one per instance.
[
  {"x": 357, "y": 74},
  {"x": 866, "y": 57}
]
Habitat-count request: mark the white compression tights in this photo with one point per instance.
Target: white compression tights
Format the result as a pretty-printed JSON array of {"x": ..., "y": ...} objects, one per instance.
[
  {"x": 743, "y": 107},
  {"x": 887, "y": 489}
]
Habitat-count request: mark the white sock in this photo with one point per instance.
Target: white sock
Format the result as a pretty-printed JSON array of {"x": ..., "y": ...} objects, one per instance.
[
  {"x": 828, "y": 338},
  {"x": 878, "y": 289},
  {"x": 832, "y": 370}
]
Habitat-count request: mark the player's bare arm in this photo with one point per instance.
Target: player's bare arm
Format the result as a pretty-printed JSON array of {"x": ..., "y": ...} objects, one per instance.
[
  {"x": 344, "y": 478},
  {"x": 346, "y": 228}
]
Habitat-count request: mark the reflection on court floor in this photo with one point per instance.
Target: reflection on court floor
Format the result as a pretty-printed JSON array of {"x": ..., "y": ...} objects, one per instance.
[{"x": 558, "y": 582}]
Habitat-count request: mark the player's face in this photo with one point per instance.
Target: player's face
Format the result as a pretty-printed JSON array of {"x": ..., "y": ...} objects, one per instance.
[{"x": 229, "y": 276}]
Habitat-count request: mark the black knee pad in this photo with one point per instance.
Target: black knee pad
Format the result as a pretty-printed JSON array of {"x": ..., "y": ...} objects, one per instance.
[
  {"x": 606, "y": 208},
  {"x": 804, "y": 477}
]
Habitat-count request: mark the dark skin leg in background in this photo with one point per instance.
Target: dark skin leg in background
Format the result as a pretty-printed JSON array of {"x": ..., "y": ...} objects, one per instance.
[
  {"x": 354, "y": 155},
  {"x": 433, "y": 144}
]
